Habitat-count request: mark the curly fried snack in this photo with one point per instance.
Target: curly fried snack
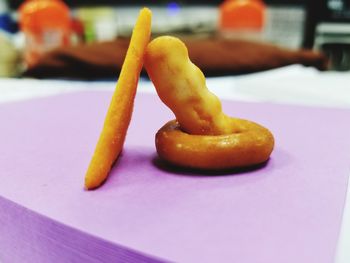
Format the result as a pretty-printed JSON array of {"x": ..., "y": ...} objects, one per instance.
[
  {"x": 118, "y": 117},
  {"x": 202, "y": 136}
]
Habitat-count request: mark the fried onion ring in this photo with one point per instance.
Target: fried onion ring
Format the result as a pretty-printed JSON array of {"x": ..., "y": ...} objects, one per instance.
[{"x": 250, "y": 146}]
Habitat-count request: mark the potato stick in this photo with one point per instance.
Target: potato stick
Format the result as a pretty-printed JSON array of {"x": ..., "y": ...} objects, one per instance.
[{"x": 119, "y": 114}]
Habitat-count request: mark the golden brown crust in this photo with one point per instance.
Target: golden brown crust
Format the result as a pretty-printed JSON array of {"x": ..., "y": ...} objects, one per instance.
[
  {"x": 181, "y": 86},
  {"x": 118, "y": 117},
  {"x": 252, "y": 144},
  {"x": 203, "y": 136}
]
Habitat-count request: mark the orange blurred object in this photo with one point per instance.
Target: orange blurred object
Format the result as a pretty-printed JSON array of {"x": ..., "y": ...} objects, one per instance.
[
  {"x": 242, "y": 15},
  {"x": 46, "y": 25}
]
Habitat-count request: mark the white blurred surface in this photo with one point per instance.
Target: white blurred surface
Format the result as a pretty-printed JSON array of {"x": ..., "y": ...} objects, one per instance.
[{"x": 296, "y": 85}]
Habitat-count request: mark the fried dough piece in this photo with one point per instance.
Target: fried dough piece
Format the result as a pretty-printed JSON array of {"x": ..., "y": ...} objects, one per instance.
[
  {"x": 202, "y": 136},
  {"x": 119, "y": 114},
  {"x": 181, "y": 86}
]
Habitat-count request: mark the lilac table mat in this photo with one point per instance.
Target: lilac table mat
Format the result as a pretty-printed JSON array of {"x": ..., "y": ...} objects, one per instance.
[{"x": 288, "y": 211}]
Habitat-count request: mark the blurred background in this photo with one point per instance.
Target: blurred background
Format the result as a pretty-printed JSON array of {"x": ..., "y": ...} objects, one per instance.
[{"x": 322, "y": 25}]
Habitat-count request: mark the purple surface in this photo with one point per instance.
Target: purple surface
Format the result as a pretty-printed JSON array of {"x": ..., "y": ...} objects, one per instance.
[{"x": 288, "y": 211}]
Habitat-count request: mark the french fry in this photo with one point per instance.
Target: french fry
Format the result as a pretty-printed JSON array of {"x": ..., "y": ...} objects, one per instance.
[{"x": 110, "y": 143}]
